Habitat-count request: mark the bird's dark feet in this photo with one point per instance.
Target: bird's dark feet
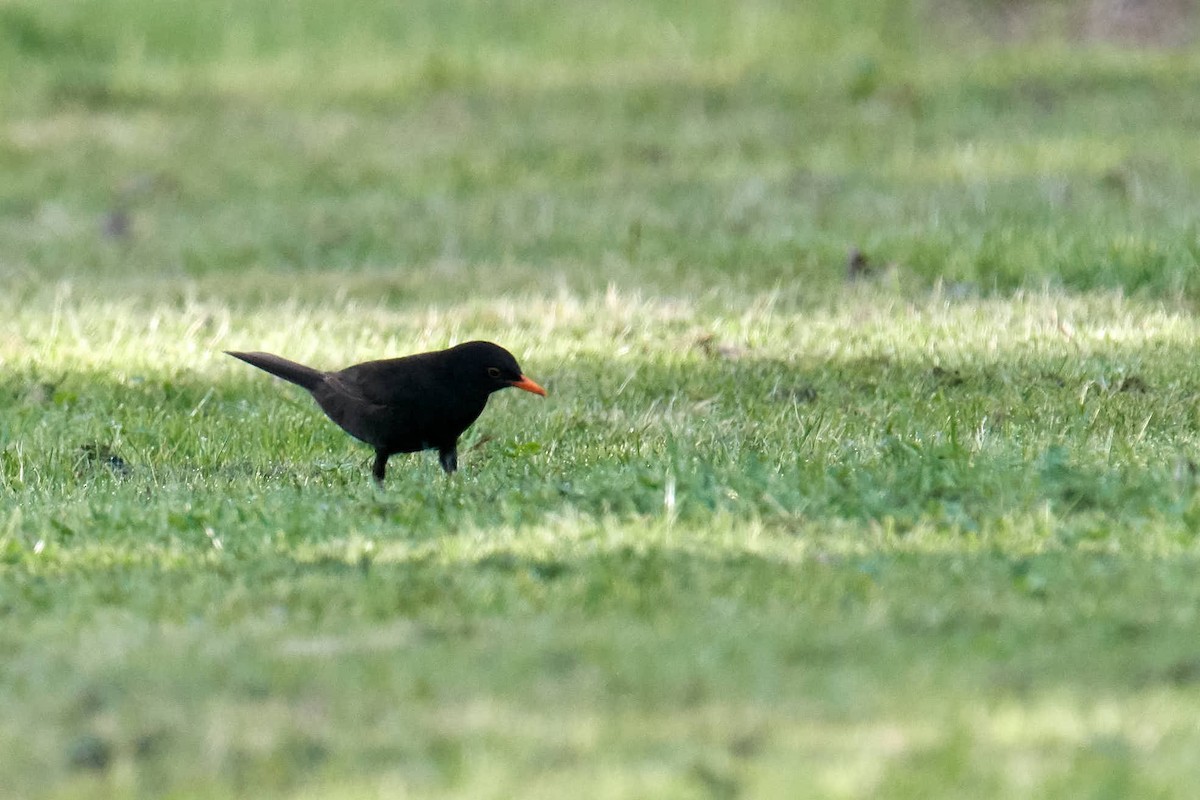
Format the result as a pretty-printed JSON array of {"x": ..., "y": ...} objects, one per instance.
[
  {"x": 449, "y": 459},
  {"x": 380, "y": 468}
]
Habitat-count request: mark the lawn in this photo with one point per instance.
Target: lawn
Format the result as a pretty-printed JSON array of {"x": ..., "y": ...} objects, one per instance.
[{"x": 789, "y": 524}]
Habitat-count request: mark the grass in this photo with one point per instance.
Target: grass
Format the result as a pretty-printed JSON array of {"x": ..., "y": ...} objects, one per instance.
[{"x": 774, "y": 533}]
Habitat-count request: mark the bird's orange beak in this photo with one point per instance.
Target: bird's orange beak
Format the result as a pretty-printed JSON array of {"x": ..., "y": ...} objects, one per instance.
[{"x": 529, "y": 386}]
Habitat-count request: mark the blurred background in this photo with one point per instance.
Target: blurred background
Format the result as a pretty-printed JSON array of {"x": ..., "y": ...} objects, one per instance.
[{"x": 428, "y": 148}]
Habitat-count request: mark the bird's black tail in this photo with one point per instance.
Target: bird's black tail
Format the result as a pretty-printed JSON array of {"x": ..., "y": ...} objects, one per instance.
[{"x": 282, "y": 368}]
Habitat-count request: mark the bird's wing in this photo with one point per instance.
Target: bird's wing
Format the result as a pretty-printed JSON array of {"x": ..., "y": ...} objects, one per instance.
[
  {"x": 352, "y": 391},
  {"x": 385, "y": 383}
]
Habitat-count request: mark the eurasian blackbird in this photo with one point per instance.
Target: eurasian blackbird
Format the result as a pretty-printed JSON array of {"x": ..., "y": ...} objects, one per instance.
[{"x": 402, "y": 405}]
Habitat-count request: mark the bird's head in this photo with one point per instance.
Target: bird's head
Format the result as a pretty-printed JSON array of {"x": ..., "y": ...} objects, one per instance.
[{"x": 492, "y": 367}]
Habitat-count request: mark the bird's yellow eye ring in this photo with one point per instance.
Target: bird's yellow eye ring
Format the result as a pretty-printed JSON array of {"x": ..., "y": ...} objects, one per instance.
[{"x": 493, "y": 372}]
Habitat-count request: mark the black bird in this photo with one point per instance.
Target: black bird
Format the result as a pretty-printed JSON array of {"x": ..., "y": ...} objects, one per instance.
[{"x": 402, "y": 405}]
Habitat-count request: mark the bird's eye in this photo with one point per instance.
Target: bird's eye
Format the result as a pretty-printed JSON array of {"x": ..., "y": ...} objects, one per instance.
[{"x": 493, "y": 372}]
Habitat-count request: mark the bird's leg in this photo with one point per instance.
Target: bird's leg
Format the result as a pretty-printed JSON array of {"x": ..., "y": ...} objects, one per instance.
[
  {"x": 380, "y": 468},
  {"x": 448, "y": 456}
]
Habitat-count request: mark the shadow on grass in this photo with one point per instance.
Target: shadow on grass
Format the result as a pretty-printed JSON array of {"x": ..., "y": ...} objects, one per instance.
[{"x": 901, "y": 441}]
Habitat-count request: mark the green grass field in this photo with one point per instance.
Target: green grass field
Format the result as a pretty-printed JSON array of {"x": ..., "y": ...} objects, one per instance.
[{"x": 775, "y": 533}]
